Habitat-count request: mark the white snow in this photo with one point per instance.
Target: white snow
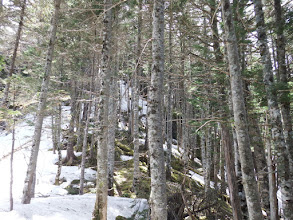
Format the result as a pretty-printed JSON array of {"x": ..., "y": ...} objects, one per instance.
[
  {"x": 72, "y": 208},
  {"x": 51, "y": 202},
  {"x": 123, "y": 92},
  {"x": 199, "y": 178},
  {"x": 125, "y": 157},
  {"x": 176, "y": 150}
]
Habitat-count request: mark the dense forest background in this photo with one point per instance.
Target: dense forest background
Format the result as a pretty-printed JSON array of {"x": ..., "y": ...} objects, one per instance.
[{"x": 182, "y": 87}]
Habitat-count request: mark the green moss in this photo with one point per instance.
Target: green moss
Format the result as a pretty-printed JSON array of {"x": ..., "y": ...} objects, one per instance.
[
  {"x": 118, "y": 153},
  {"x": 72, "y": 190},
  {"x": 125, "y": 149},
  {"x": 177, "y": 164},
  {"x": 75, "y": 182},
  {"x": 119, "y": 217}
]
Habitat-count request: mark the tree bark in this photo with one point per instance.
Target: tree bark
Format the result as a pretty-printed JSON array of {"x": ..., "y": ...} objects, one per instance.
[
  {"x": 272, "y": 177},
  {"x": 283, "y": 159},
  {"x": 283, "y": 80},
  {"x": 169, "y": 105},
  {"x": 11, "y": 162},
  {"x": 158, "y": 201},
  {"x": 239, "y": 110},
  {"x": 111, "y": 133},
  {"x": 231, "y": 175},
  {"x": 84, "y": 146},
  {"x": 100, "y": 210},
  {"x": 135, "y": 88},
  {"x": 31, "y": 171},
  {"x": 70, "y": 156},
  {"x": 260, "y": 162},
  {"x": 58, "y": 142}
]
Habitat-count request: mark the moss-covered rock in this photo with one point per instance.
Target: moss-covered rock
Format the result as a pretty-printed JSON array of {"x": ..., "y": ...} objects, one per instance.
[
  {"x": 119, "y": 217},
  {"x": 75, "y": 182},
  {"x": 72, "y": 190},
  {"x": 125, "y": 148}
]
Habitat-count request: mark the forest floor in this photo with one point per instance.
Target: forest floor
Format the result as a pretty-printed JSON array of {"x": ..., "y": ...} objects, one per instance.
[
  {"x": 52, "y": 201},
  {"x": 61, "y": 202}
]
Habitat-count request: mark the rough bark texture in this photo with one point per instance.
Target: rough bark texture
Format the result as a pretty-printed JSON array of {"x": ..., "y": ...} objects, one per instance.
[
  {"x": 31, "y": 171},
  {"x": 260, "y": 162},
  {"x": 208, "y": 158},
  {"x": 136, "y": 172},
  {"x": 231, "y": 175},
  {"x": 248, "y": 175},
  {"x": 272, "y": 179},
  {"x": 158, "y": 201},
  {"x": 70, "y": 156},
  {"x": 84, "y": 146},
  {"x": 100, "y": 211},
  {"x": 58, "y": 137},
  {"x": 283, "y": 81},
  {"x": 275, "y": 115},
  {"x": 112, "y": 133},
  {"x": 13, "y": 59},
  {"x": 169, "y": 101}
]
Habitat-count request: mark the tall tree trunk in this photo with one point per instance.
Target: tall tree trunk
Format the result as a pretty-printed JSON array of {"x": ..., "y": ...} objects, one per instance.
[
  {"x": 111, "y": 132},
  {"x": 84, "y": 145},
  {"x": 272, "y": 177},
  {"x": 53, "y": 128},
  {"x": 58, "y": 141},
  {"x": 248, "y": 175},
  {"x": 12, "y": 156},
  {"x": 275, "y": 115},
  {"x": 231, "y": 175},
  {"x": 169, "y": 100},
  {"x": 283, "y": 80},
  {"x": 12, "y": 65},
  {"x": 158, "y": 201},
  {"x": 208, "y": 152},
  {"x": 70, "y": 156},
  {"x": 11, "y": 166},
  {"x": 260, "y": 161},
  {"x": 31, "y": 171},
  {"x": 100, "y": 211},
  {"x": 135, "y": 88}
]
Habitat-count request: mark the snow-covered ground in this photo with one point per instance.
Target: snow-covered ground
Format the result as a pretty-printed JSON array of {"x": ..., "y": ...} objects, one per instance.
[
  {"x": 51, "y": 202},
  {"x": 73, "y": 208}
]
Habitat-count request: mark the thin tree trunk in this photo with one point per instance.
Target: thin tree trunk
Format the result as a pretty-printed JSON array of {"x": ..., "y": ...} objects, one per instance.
[
  {"x": 208, "y": 157},
  {"x": 158, "y": 201},
  {"x": 31, "y": 171},
  {"x": 272, "y": 177},
  {"x": 11, "y": 158},
  {"x": 169, "y": 101},
  {"x": 100, "y": 211},
  {"x": 84, "y": 146},
  {"x": 248, "y": 175},
  {"x": 275, "y": 115},
  {"x": 135, "y": 88},
  {"x": 260, "y": 161},
  {"x": 231, "y": 175},
  {"x": 112, "y": 133},
  {"x": 53, "y": 128},
  {"x": 12, "y": 65},
  {"x": 80, "y": 124},
  {"x": 58, "y": 141},
  {"x": 94, "y": 134},
  {"x": 283, "y": 79},
  {"x": 70, "y": 156},
  {"x": 223, "y": 185}
]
